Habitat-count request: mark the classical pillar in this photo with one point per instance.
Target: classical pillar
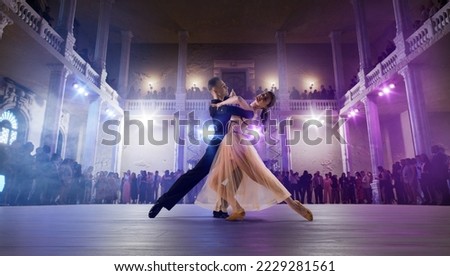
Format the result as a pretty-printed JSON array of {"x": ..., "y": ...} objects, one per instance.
[
  {"x": 284, "y": 153},
  {"x": 181, "y": 92},
  {"x": 345, "y": 145},
  {"x": 283, "y": 95},
  {"x": 181, "y": 73},
  {"x": 124, "y": 63},
  {"x": 64, "y": 25},
  {"x": 119, "y": 147},
  {"x": 53, "y": 108},
  {"x": 417, "y": 111},
  {"x": 338, "y": 64},
  {"x": 363, "y": 41},
  {"x": 101, "y": 43},
  {"x": 92, "y": 134},
  {"x": 4, "y": 21},
  {"x": 375, "y": 142},
  {"x": 73, "y": 136},
  {"x": 403, "y": 26}
]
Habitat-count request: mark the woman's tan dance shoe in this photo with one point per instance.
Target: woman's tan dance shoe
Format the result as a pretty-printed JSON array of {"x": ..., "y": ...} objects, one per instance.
[
  {"x": 303, "y": 211},
  {"x": 239, "y": 215}
]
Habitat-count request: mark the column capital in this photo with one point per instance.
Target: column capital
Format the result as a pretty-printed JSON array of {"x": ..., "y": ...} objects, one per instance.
[
  {"x": 404, "y": 71},
  {"x": 58, "y": 68},
  {"x": 126, "y": 34},
  {"x": 110, "y": 2},
  {"x": 280, "y": 34},
  {"x": 369, "y": 98},
  {"x": 183, "y": 35},
  {"x": 335, "y": 34}
]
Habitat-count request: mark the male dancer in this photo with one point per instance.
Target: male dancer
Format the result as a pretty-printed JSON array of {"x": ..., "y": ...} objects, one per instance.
[{"x": 187, "y": 181}]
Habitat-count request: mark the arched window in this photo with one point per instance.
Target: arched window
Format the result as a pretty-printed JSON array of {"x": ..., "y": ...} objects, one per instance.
[{"x": 8, "y": 127}]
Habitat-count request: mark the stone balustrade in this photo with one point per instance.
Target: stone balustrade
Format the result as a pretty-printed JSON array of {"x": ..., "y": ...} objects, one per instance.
[
  {"x": 431, "y": 31},
  {"x": 197, "y": 104},
  {"x": 36, "y": 22},
  {"x": 374, "y": 75},
  {"x": 203, "y": 105},
  {"x": 420, "y": 37},
  {"x": 435, "y": 24},
  {"x": 41, "y": 27},
  {"x": 441, "y": 18},
  {"x": 389, "y": 63}
]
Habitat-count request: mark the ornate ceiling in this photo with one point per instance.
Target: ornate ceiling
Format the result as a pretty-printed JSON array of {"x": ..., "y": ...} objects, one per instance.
[{"x": 238, "y": 21}]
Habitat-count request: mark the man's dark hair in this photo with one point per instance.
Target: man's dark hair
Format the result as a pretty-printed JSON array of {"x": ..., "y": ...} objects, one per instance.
[{"x": 213, "y": 82}]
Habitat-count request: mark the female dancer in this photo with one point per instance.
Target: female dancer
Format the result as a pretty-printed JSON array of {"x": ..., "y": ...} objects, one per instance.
[{"x": 238, "y": 175}]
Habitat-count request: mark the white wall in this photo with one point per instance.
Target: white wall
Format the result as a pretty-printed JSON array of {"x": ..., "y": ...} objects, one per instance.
[
  {"x": 148, "y": 156},
  {"x": 323, "y": 157}
]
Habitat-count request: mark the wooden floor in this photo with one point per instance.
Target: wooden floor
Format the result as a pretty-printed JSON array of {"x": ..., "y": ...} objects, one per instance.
[{"x": 188, "y": 230}]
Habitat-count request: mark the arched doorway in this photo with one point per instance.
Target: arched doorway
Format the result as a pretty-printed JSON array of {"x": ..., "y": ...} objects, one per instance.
[{"x": 12, "y": 127}]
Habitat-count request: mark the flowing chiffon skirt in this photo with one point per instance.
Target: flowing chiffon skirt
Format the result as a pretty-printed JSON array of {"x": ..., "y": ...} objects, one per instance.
[{"x": 238, "y": 172}]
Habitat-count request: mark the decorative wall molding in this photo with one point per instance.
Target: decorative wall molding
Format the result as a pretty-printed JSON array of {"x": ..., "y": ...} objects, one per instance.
[
  {"x": 4, "y": 21},
  {"x": 246, "y": 65},
  {"x": 13, "y": 95}
]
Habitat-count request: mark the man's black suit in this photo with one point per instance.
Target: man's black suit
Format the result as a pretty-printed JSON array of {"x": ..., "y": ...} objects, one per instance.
[{"x": 187, "y": 181}]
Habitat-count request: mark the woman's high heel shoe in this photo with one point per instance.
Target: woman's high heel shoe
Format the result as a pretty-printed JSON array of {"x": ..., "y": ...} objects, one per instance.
[
  {"x": 303, "y": 211},
  {"x": 239, "y": 215}
]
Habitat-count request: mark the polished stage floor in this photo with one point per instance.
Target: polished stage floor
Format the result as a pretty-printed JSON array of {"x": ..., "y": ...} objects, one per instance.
[{"x": 188, "y": 230}]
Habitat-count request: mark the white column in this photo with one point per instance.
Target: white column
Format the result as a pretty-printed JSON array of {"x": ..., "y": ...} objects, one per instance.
[
  {"x": 101, "y": 44},
  {"x": 73, "y": 136},
  {"x": 181, "y": 92},
  {"x": 361, "y": 34},
  {"x": 375, "y": 141},
  {"x": 403, "y": 26},
  {"x": 345, "y": 145},
  {"x": 338, "y": 64},
  {"x": 417, "y": 112},
  {"x": 66, "y": 17},
  {"x": 54, "y": 105},
  {"x": 91, "y": 138},
  {"x": 124, "y": 63},
  {"x": 181, "y": 73},
  {"x": 64, "y": 25},
  {"x": 283, "y": 95}
]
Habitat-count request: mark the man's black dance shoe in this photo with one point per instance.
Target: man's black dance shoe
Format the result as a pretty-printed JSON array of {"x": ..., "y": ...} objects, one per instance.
[
  {"x": 154, "y": 211},
  {"x": 220, "y": 214}
]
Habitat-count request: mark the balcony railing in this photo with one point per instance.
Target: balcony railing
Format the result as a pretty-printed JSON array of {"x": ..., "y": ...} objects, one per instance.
[
  {"x": 203, "y": 105},
  {"x": 432, "y": 26},
  {"x": 36, "y": 23},
  {"x": 39, "y": 25},
  {"x": 427, "y": 34},
  {"x": 85, "y": 68}
]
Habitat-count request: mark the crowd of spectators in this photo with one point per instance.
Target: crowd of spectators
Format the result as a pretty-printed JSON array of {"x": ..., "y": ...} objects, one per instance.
[
  {"x": 313, "y": 94},
  {"x": 418, "y": 180},
  {"x": 46, "y": 179},
  {"x": 427, "y": 11}
]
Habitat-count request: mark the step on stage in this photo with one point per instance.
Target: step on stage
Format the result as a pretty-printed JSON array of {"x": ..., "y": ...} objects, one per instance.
[{"x": 188, "y": 230}]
